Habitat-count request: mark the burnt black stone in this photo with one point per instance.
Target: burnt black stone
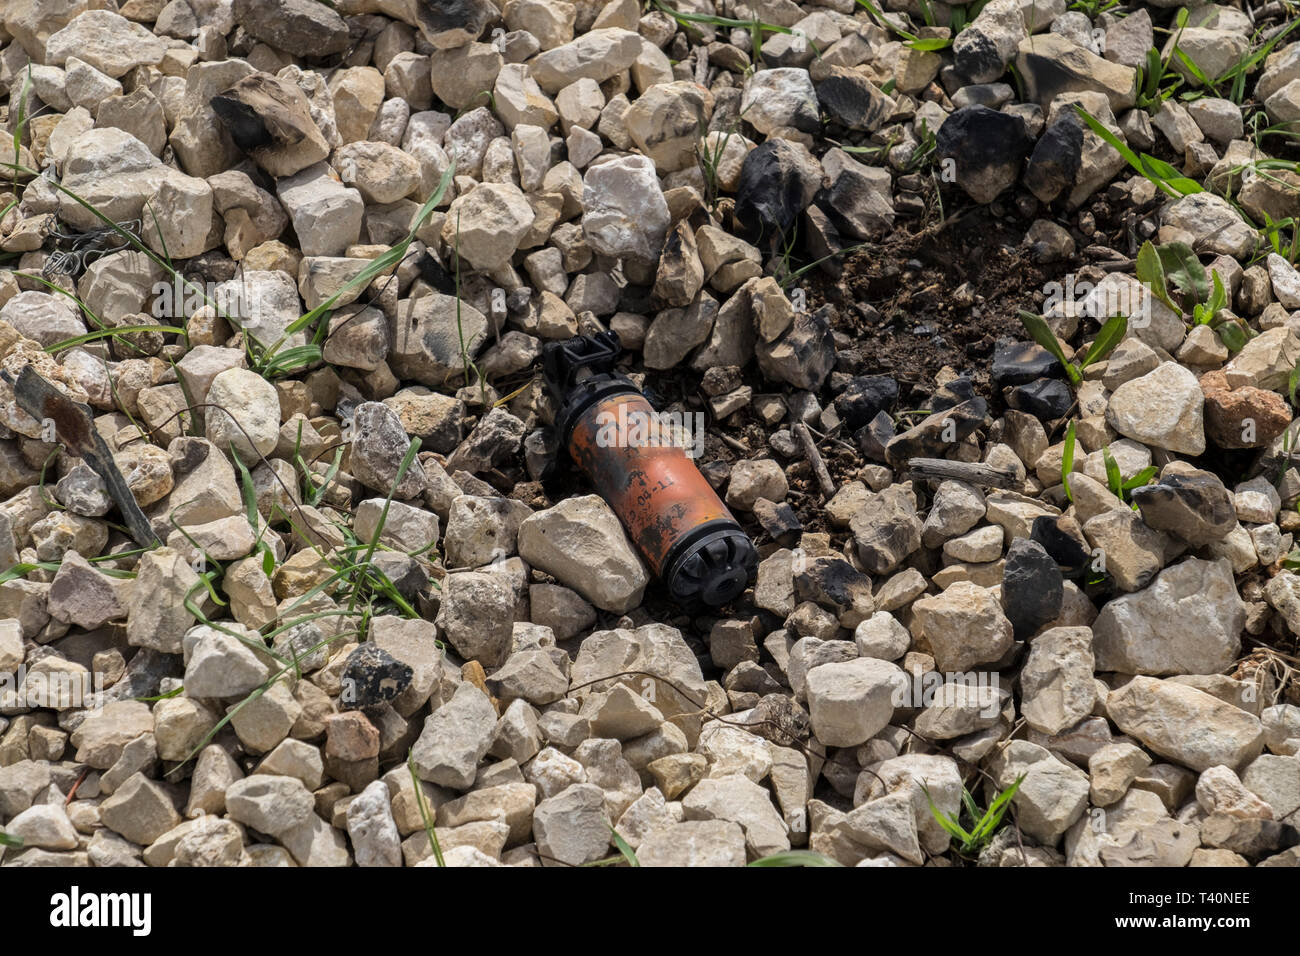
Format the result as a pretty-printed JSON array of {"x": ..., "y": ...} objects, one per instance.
[
  {"x": 1019, "y": 363},
  {"x": 830, "y": 581},
  {"x": 435, "y": 273},
  {"x": 851, "y": 100},
  {"x": 978, "y": 56},
  {"x": 438, "y": 16},
  {"x": 872, "y": 437},
  {"x": 770, "y": 194},
  {"x": 246, "y": 127},
  {"x": 1045, "y": 398},
  {"x": 1194, "y": 507},
  {"x": 1063, "y": 541},
  {"x": 948, "y": 396},
  {"x": 1056, "y": 159},
  {"x": 779, "y": 521},
  {"x": 1032, "y": 587},
  {"x": 987, "y": 147},
  {"x": 372, "y": 677},
  {"x": 864, "y": 398},
  {"x": 821, "y": 241}
]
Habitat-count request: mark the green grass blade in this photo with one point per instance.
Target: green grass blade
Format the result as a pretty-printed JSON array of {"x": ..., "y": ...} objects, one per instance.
[
  {"x": 1112, "y": 332},
  {"x": 429, "y": 830},
  {"x": 1114, "y": 480},
  {"x": 1143, "y": 477},
  {"x": 624, "y": 848},
  {"x": 993, "y": 816},
  {"x": 1067, "y": 459}
]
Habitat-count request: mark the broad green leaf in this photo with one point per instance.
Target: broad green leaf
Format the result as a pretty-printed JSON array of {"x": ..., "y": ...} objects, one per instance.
[
  {"x": 1184, "y": 186},
  {"x": 1192, "y": 68},
  {"x": 1112, "y": 332},
  {"x": 1233, "y": 336},
  {"x": 1218, "y": 297},
  {"x": 1185, "y": 271},
  {"x": 929, "y": 43},
  {"x": 1152, "y": 273},
  {"x": 1154, "y": 69},
  {"x": 1159, "y": 167}
]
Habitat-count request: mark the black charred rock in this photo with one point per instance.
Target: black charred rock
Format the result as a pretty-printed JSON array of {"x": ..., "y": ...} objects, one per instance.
[
  {"x": 774, "y": 182},
  {"x": 821, "y": 241},
  {"x": 1056, "y": 159},
  {"x": 959, "y": 390},
  {"x": 1032, "y": 587},
  {"x": 1062, "y": 538},
  {"x": 872, "y": 437},
  {"x": 779, "y": 521},
  {"x": 1019, "y": 363},
  {"x": 452, "y": 23},
  {"x": 987, "y": 147},
  {"x": 372, "y": 677},
  {"x": 833, "y": 583},
  {"x": 860, "y": 202},
  {"x": 939, "y": 434},
  {"x": 1045, "y": 398},
  {"x": 864, "y": 398},
  {"x": 270, "y": 120},
  {"x": 804, "y": 355},
  {"x": 853, "y": 101},
  {"x": 1192, "y": 506}
]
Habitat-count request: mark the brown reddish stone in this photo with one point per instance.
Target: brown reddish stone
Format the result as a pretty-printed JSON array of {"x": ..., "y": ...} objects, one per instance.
[
  {"x": 351, "y": 736},
  {"x": 1227, "y": 410}
]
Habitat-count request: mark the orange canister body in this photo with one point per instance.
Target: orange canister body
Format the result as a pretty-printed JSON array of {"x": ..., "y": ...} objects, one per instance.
[
  {"x": 655, "y": 489},
  {"x": 639, "y": 466}
]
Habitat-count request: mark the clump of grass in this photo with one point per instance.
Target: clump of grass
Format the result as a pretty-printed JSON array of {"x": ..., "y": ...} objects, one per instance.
[{"x": 984, "y": 823}]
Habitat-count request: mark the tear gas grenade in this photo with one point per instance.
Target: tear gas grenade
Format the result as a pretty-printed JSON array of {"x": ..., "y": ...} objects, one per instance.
[{"x": 637, "y": 462}]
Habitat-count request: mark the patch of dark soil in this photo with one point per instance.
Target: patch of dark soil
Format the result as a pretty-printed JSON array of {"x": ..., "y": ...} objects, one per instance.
[{"x": 939, "y": 296}]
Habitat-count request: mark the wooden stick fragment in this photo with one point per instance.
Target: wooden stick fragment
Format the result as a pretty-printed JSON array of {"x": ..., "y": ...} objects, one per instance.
[
  {"x": 824, "y": 479},
  {"x": 74, "y": 425},
  {"x": 940, "y": 469}
]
